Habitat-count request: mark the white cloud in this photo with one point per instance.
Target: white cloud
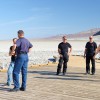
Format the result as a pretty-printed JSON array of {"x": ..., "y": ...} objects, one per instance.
[{"x": 18, "y": 21}]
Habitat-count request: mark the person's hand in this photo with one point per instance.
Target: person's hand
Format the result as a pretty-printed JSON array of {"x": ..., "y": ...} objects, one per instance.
[
  {"x": 69, "y": 54},
  {"x": 93, "y": 57},
  {"x": 13, "y": 53},
  {"x": 61, "y": 55}
]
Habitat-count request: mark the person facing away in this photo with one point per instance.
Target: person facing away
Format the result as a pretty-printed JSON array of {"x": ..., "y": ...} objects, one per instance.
[
  {"x": 22, "y": 46},
  {"x": 11, "y": 66},
  {"x": 89, "y": 53},
  {"x": 64, "y": 52}
]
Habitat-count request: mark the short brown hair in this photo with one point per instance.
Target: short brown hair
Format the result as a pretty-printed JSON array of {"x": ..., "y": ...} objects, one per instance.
[
  {"x": 20, "y": 32},
  {"x": 14, "y": 39},
  {"x": 64, "y": 37}
]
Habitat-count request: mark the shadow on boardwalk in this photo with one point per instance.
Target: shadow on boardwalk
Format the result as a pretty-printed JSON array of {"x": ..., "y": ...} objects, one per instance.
[
  {"x": 3, "y": 87},
  {"x": 54, "y": 73},
  {"x": 70, "y": 76}
]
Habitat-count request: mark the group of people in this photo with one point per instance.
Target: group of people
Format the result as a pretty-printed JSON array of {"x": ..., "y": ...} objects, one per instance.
[
  {"x": 19, "y": 62},
  {"x": 19, "y": 59},
  {"x": 65, "y": 49}
]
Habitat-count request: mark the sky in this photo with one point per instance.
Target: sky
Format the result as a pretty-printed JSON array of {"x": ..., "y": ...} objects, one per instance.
[{"x": 44, "y": 18}]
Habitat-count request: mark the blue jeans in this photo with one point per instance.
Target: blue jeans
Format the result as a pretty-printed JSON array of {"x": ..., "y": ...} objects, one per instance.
[
  {"x": 21, "y": 63},
  {"x": 10, "y": 73}
]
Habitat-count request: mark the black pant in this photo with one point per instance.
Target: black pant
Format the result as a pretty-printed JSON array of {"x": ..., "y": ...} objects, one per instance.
[
  {"x": 88, "y": 59},
  {"x": 64, "y": 62}
]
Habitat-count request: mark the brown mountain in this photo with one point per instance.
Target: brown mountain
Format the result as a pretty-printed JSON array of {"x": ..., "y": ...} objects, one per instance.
[{"x": 91, "y": 32}]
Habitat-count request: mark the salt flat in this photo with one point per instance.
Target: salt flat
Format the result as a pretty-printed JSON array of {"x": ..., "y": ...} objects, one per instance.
[
  {"x": 42, "y": 51},
  {"x": 46, "y": 45}
]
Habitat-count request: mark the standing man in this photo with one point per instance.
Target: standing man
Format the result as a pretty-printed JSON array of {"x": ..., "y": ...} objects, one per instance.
[
  {"x": 11, "y": 66},
  {"x": 64, "y": 52},
  {"x": 22, "y": 47},
  {"x": 89, "y": 53}
]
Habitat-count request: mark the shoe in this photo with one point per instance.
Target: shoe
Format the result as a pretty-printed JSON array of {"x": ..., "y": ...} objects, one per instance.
[
  {"x": 57, "y": 73},
  {"x": 22, "y": 89},
  {"x": 88, "y": 72},
  {"x": 14, "y": 90},
  {"x": 8, "y": 84},
  {"x": 93, "y": 74},
  {"x": 64, "y": 74}
]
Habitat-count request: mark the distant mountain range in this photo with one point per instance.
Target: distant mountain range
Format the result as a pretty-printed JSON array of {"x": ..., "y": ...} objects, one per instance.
[{"x": 92, "y": 32}]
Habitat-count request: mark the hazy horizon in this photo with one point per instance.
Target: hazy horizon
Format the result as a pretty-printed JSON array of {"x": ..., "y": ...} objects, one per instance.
[{"x": 53, "y": 35}]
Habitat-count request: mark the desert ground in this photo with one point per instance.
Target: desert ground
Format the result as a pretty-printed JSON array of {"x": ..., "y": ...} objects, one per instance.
[{"x": 43, "y": 84}]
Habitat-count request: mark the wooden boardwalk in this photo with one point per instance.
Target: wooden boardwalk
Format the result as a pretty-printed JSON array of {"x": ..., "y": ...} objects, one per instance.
[{"x": 43, "y": 84}]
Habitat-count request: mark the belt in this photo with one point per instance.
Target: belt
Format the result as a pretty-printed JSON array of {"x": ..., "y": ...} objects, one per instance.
[{"x": 23, "y": 52}]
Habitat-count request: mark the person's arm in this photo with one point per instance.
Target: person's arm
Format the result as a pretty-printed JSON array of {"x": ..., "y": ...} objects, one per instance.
[
  {"x": 70, "y": 49},
  {"x": 95, "y": 47},
  {"x": 85, "y": 52},
  {"x": 13, "y": 49},
  {"x": 96, "y": 52},
  {"x": 18, "y": 43},
  {"x": 59, "y": 51},
  {"x": 10, "y": 53},
  {"x": 30, "y": 47}
]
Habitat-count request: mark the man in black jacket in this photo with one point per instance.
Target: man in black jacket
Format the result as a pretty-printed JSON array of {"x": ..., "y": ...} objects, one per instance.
[
  {"x": 89, "y": 53},
  {"x": 64, "y": 52}
]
